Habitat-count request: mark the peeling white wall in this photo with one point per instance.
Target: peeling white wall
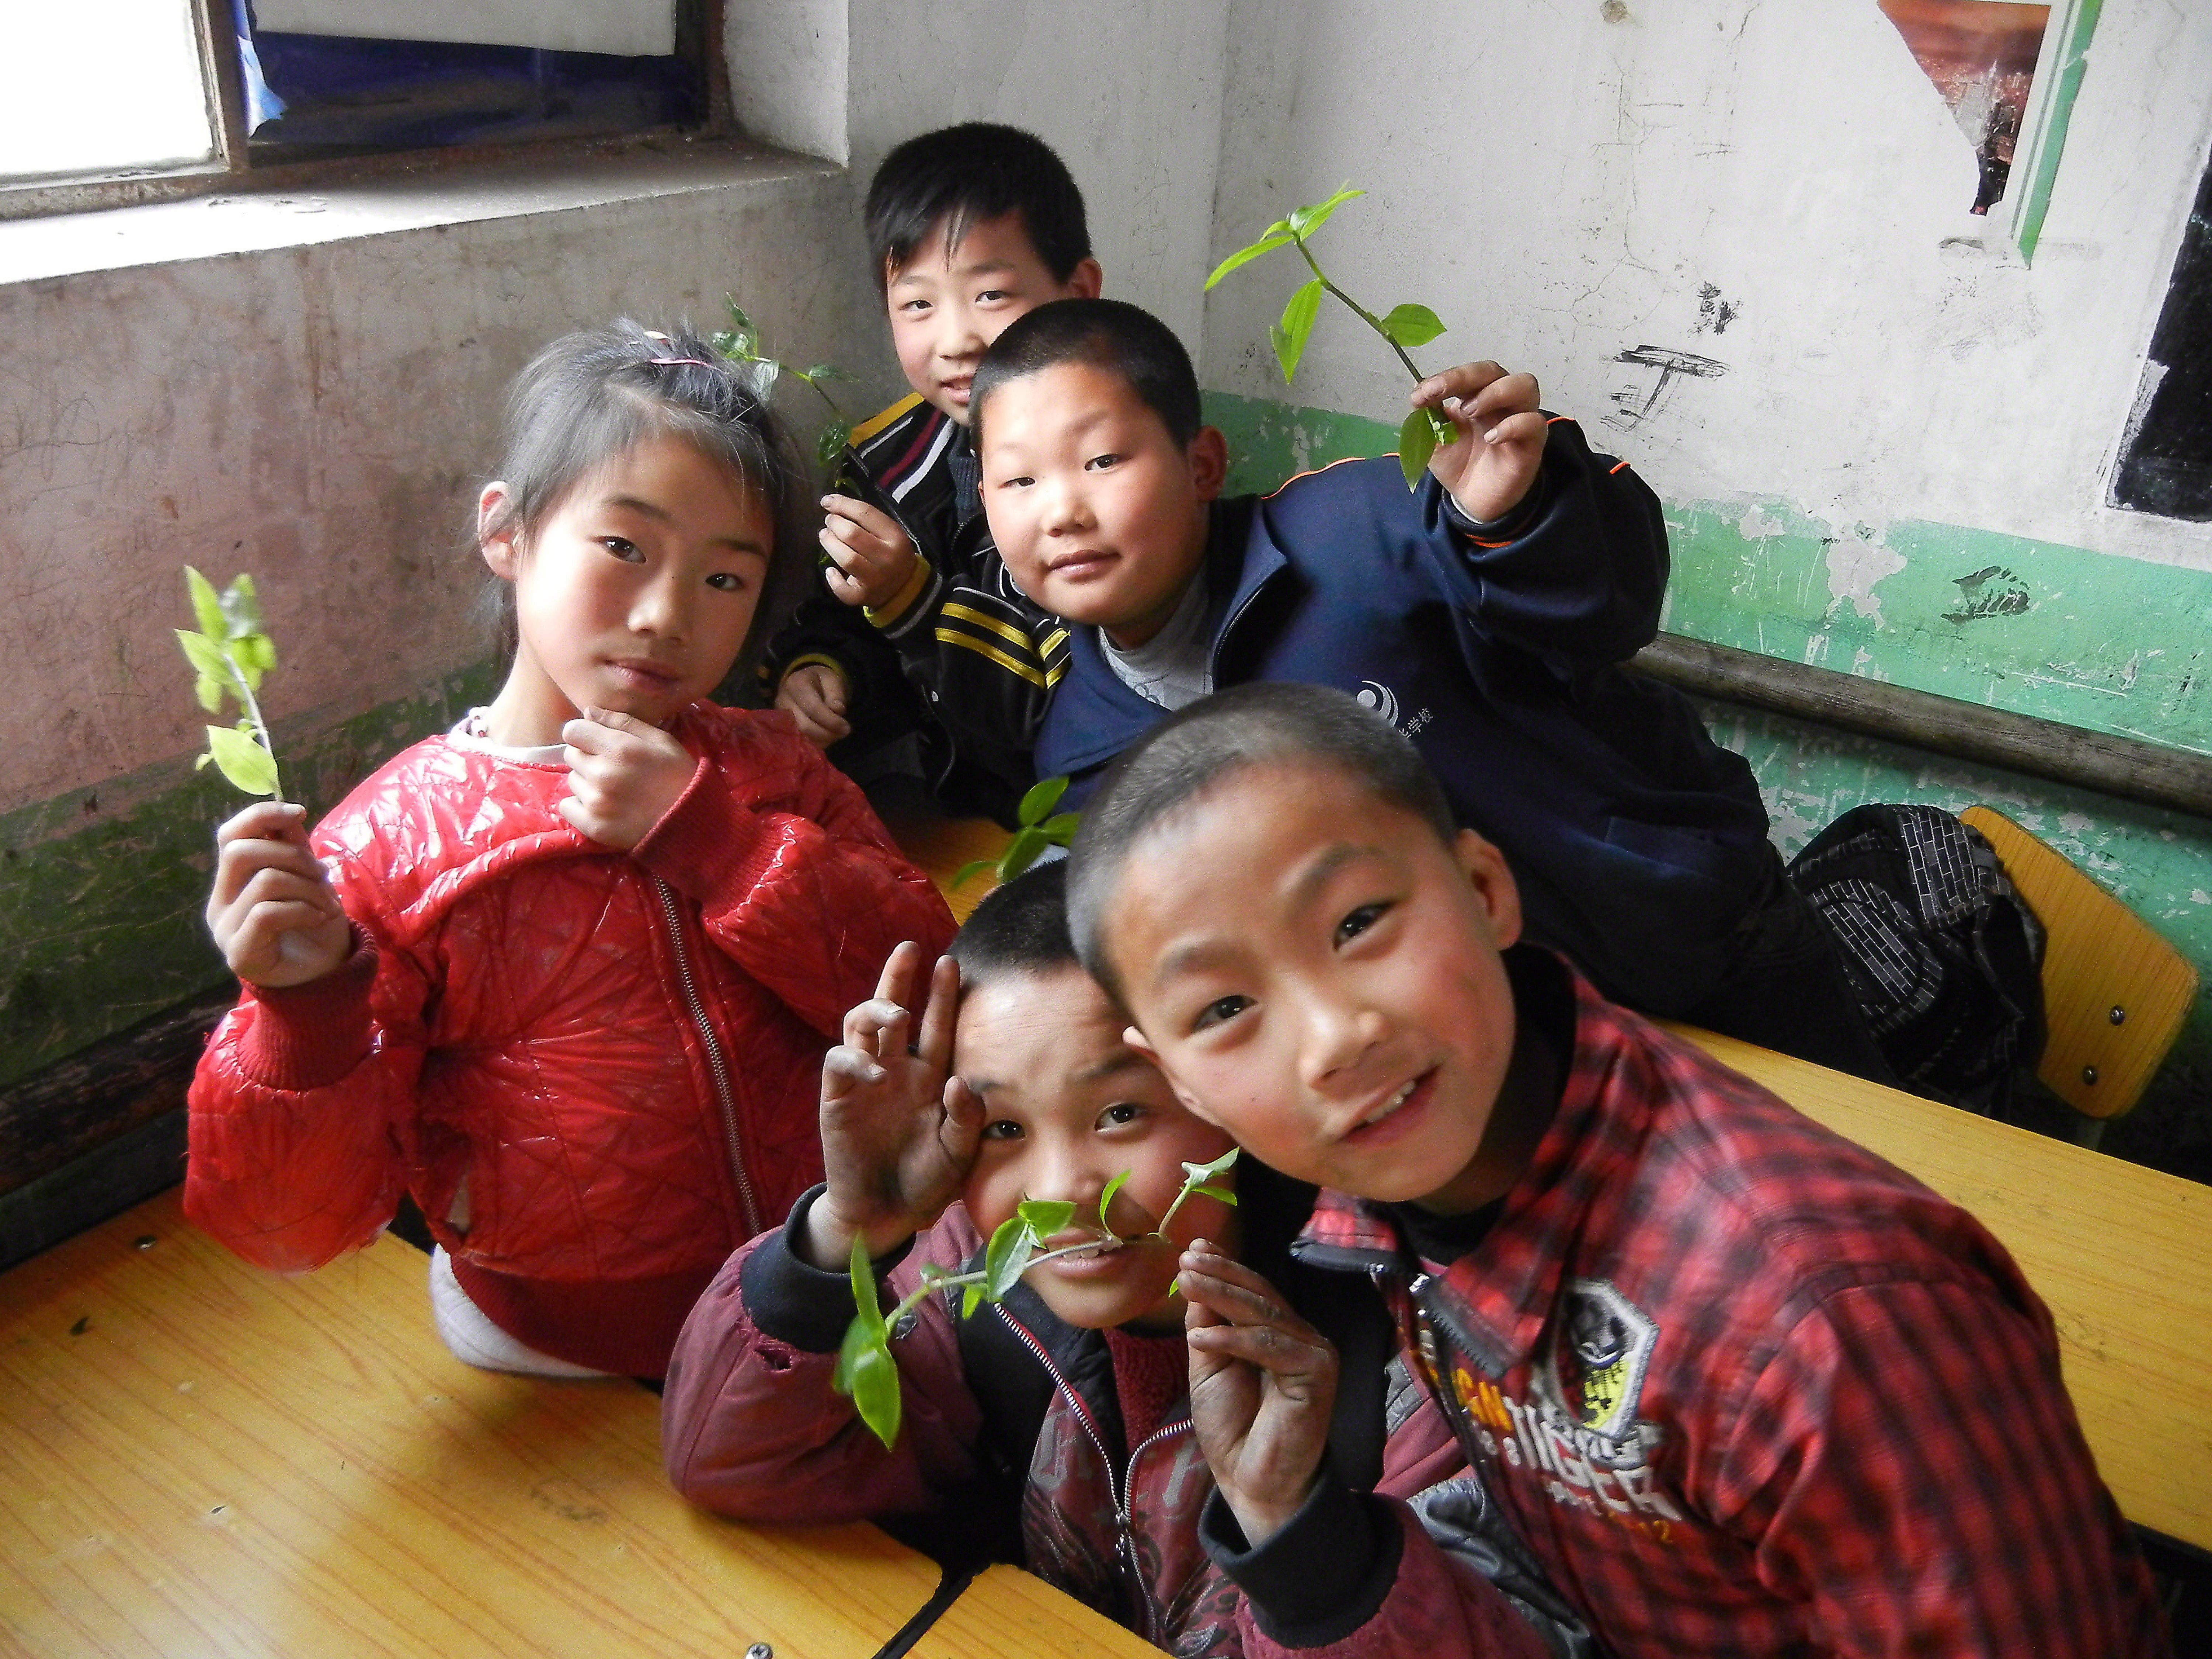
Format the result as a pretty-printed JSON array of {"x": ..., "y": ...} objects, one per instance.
[
  {"x": 319, "y": 406},
  {"x": 1127, "y": 91},
  {"x": 1562, "y": 187}
]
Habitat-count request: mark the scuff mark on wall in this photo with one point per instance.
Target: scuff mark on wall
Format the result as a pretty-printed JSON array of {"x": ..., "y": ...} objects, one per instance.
[
  {"x": 1857, "y": 564},
  {"x": 1714, "y": 314},
  {"x": 1992, "y": 591},
  {"x": 1634, "y": 405}
]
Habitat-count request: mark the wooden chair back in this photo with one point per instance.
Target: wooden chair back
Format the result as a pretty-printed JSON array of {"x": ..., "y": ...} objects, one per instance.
[{"x": 2114, "y": 992}]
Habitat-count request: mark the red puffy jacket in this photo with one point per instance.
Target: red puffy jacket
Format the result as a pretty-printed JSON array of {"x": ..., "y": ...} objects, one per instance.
[{"x": 585, "y": 1064}]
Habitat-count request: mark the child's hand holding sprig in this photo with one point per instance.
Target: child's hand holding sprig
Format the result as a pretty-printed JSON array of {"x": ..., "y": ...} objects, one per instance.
[
  {"x": 1467, "y": 424},
  {"x": 899, "y": 1135},
  {"x": 868, "y": 558},
  {"x": 272, "y": 911},
  {"x": 1262, "y": 1387}
]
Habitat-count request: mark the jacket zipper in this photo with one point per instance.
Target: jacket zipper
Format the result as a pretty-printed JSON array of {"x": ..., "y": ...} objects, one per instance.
[
  {"x": 1117, "y": 1484},
  {"x": 716, "y": 1068}
]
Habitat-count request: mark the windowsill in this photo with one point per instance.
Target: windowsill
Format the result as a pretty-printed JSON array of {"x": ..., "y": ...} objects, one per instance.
[{"x": 302, "y": 215}]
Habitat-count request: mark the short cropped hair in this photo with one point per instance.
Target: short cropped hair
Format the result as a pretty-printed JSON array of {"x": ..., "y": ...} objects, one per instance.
[
  {"x": 1179, "y": 759},
  {"x": 1106, "y": 334},
  {"x": 959, "y": 176},
  {"x": 1020, "y": 927}
]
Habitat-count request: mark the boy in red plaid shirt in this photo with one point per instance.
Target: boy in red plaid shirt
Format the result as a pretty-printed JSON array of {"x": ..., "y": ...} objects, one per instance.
[{"x": 1743, "y": 1388}]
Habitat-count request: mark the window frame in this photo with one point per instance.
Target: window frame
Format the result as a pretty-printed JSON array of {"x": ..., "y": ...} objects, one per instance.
[{"x": 699, "y": 37}]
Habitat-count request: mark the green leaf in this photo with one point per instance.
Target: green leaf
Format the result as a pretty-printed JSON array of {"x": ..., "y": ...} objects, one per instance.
[
  {"x": 1024, "y": 850},
  {"x": 1275, "y": 236},
  {"x": 1290, "y": 335},
  {"x": 257, "y": 650},
  {"x": 243, "y": 761},
  {"x": 832, "y": 444},
  {"x": 1411, "y": 325},
  {"x": 724, "y": 343},
  {"x": 207, "y": 609},
  {"x": 1039, "y": 800},
  {"x": 971, "y": 1299},
  {"x": 875, "y": 1381},
  {"x": 827, "y": 372},
  {"x": 204, "y": 655},
  {"x": 1060, "y": 828},
  {"x": 1045, "y": 1216},
  {"x": 968, "y": 871},
  {"x": 1200, "y": 1171},
  {"x": 241, "y": 608},
  {"x": 1106, "y": 1199},
  {"x": 867, "y": 1300},
  {"x": 1307, "y": 220},
  {"x": 738, "y": 317},
  {"x": 1417, "y": 441},
  {"x": 209, "y": 692},
  {"x": 1222, "y": 1194},
  {"x": 1007, "y": 1253}
]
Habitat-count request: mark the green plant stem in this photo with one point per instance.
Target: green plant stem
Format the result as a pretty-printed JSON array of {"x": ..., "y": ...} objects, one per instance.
[
  {"x": 1358, "y": 310},
  {"x": 915, "y": 1297},
  {"x": 252, "y": 706}
]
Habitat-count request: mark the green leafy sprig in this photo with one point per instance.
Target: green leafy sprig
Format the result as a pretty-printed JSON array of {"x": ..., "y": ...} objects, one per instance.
[
  {"x": 1424, "y": 429},
  {"x": 1040, "y": 826},
  {"x": 229, "y": 654},
  {"x": 741, "y": 342},
  {"x": 865, "y": 1370}
]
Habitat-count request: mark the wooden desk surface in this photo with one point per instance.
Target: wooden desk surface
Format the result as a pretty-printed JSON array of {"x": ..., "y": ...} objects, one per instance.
[
  {"x": 2122, "y": 1255},
  {"x": 1007, "y": 1614},
  {"x": 196, "y": 1457}
]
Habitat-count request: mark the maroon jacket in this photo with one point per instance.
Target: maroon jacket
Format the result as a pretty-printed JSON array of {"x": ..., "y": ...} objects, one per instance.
[
  {"x": 751, "y": 1428},
  {"x": 588, "y": 1067}
]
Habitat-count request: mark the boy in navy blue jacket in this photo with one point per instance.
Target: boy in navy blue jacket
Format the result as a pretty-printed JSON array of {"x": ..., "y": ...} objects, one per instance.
[{"x": 1485, "y": 615}]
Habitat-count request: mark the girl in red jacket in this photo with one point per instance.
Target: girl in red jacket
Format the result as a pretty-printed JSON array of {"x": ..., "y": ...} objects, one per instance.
[{"x": 565, "y": 974}]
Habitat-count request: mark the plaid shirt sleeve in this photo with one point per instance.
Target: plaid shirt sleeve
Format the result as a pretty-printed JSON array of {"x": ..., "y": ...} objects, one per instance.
[{"x": 1910, "y": 1470}]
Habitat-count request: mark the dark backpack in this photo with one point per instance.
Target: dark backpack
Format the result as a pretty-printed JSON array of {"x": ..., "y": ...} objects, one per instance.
[{"x": 1943, "y": 953}]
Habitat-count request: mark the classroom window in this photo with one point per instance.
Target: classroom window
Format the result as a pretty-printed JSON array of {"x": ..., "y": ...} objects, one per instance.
[{"x": 189, "y": 90}]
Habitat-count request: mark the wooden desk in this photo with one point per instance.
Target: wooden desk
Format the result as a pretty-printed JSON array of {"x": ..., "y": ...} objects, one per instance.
[
  {"x": 196, "y": 1457},
  {"x": 1007, "y": 1614},
  {"x": 941, "y": 846},
  {"x": 2122, "y": 1254}
]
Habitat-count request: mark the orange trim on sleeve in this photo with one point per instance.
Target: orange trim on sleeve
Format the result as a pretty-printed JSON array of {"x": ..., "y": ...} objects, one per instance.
[{"x": 1614, "y": 468}]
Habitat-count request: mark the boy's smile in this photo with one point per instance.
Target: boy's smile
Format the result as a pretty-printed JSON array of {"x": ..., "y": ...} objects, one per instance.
[
  {"x": 635, "y": 594},
  {"x": 947, "y": 304},
  {"x": 1319, "y": 974},
  {"x": 1067, "y": 1106},
  {"x": 1100, "y": 515}
]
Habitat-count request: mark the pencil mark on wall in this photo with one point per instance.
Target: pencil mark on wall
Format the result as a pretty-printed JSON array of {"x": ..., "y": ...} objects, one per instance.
[
  {"x": 1714, "y": 314},
  {"x": 1635, "y": 404},
  {"x": 1992, "y": 591}
]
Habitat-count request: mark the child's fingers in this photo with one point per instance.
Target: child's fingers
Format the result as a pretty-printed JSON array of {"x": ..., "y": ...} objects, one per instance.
[
  {"x": 933, "y": 1044},
  {"x": 1283, "y": 1353},
  {"x": 871, "y": 521},
  {"x": 963, "y": 1120},
  {"x": 1466, "y": 382},
  {"x": 1523, "y": 429},
  {"x": 877, "y": 1027},
  {"x": 265, "y": 820},
  {"x": 1508, "y": 394},
  {"x": 847, "y": 1070},
  {"x": 895, "y": 982},
  {"x": 238, "y": 862}
]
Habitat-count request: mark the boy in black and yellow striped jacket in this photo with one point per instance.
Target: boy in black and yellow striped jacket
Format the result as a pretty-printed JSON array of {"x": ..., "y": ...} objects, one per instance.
[{"x": 917, "y": 629}]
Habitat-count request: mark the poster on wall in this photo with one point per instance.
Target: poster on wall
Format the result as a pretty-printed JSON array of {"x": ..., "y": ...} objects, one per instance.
[{"x": 1981, "y": 55}]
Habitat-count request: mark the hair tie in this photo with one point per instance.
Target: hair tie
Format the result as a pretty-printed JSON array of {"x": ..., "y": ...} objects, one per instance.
[{"x": 676, "y": 363}]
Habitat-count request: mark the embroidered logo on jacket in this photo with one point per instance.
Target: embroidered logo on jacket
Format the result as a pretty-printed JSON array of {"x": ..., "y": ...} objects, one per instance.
[
  {"x": 1578, "y": 1433},
  {"x": 1373, "y": 694}
]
